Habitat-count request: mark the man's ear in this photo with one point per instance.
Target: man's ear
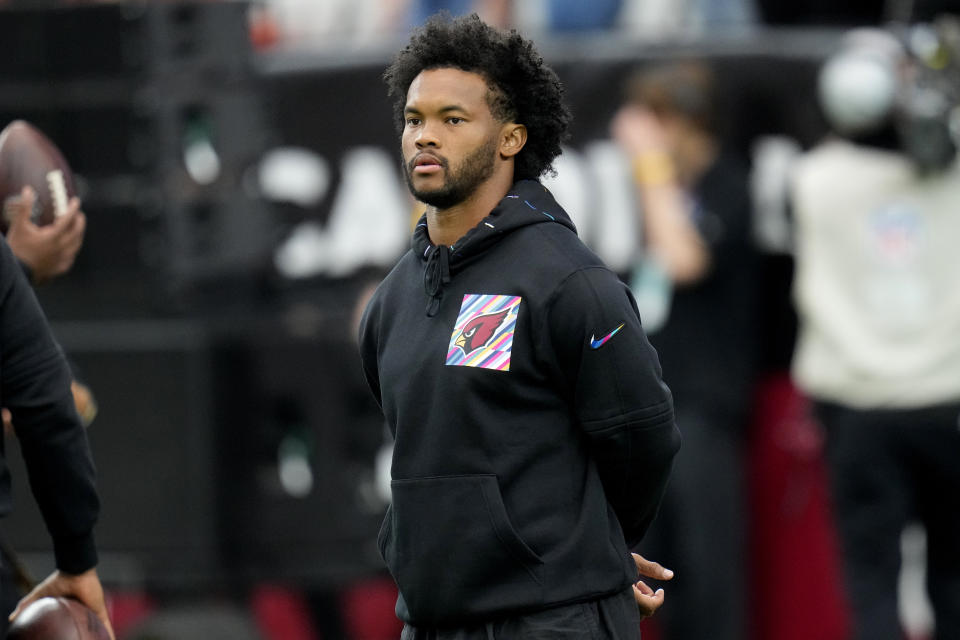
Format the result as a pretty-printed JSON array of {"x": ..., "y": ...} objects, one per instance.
[{"x": 512, "y": 139}]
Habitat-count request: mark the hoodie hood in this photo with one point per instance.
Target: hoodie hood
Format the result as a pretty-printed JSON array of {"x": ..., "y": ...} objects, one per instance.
[{"x": 527, "y": 203}]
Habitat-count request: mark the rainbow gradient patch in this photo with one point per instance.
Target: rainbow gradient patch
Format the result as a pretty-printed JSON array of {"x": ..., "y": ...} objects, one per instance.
[{"x": 483, "y": 334}]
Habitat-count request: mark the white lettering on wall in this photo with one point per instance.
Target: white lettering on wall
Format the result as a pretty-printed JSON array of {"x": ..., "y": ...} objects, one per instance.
[{"x": 368, "y": 222}]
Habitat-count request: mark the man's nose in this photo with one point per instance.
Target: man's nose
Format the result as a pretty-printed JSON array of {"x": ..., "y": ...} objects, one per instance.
[{"x": 427, "y": 136}]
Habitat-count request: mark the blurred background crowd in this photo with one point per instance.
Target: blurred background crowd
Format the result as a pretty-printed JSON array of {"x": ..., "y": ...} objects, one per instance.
[{"x": 776, "y": 181}]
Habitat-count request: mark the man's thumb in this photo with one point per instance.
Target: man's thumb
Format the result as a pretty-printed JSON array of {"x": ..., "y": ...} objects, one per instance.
[{"x": 18, "y": 209}]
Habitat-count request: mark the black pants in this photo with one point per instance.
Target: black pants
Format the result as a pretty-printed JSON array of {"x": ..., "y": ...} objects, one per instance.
[
  {"x": 889, "y": 468},
  {"x": 612, "y": 618}
]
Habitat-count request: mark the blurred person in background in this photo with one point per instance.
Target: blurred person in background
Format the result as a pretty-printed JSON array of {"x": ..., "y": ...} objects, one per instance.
[
  {"x": 698, "y": 272},
  {"x": 35, "y": 387},
  {"x": 878, "y": 350},
  {"x": 44, "y": 253}
]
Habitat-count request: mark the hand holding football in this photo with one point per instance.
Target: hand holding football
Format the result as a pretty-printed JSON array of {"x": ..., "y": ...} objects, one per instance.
[
  {"x": 57, "y": 619},
  {"x": 28, "y": 157}
]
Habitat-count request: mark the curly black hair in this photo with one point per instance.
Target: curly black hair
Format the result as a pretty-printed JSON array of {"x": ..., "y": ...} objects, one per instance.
[{"x": 523, "y": 89}]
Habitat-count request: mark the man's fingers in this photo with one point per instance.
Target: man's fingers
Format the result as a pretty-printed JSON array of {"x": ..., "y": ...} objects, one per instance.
[
  {"x": 647, "y": 603},
  {"x": 18, "y": 209},
  {"x": 81, "y": 222},
  {"x": 24, "y": 602},
  {"x": 643, "y": 587},
  {"x": 72, "y": 234},
  {"x": 105, "y": 619},
  {"x": 28, "y": 196},
  {"x": 71, "y": 217},
  {"x": 651, "y": 569}
]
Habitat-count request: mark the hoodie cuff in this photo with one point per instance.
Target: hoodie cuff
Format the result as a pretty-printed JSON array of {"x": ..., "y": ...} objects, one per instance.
[{"x": 76, "y": 554}]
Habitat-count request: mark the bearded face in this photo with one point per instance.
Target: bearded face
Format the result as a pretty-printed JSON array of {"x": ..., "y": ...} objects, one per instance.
[
  {"x": 451, "y": 139},
  {"x": 459, "y": 182}
]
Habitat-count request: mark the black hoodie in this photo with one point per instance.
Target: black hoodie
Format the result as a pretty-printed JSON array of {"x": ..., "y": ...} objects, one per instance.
[
  {"x": 533, "y": 433},
  {"x": 35, "y": 387}
]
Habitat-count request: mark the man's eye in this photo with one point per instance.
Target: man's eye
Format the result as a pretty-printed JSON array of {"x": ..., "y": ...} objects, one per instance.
[
  {"x": 454, "y": 120},
  {"x": 412, "y": 122}
]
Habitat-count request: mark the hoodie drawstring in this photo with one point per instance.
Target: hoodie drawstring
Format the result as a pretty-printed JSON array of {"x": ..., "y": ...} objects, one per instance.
[{"x": 435, "y": 275}]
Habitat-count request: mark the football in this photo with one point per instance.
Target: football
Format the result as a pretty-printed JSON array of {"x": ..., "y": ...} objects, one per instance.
[
  {"x": 28, "y": 157},
  {"x": 57, "y": 619}
]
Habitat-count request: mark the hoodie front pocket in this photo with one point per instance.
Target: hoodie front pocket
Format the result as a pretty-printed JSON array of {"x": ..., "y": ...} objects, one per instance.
[{"x": 454, "y": 552}]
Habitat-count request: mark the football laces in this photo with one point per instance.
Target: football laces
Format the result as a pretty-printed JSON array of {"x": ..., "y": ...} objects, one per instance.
[{"x": 58, "y": 192}]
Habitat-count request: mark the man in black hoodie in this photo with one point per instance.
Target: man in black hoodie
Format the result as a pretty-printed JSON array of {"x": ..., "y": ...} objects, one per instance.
[
  {"x": 35, "y": 387},
  {"x": 533, "y": 434}
]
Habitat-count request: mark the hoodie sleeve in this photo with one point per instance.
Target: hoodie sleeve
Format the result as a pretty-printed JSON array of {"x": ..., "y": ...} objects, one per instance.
[
  {"x": 613, "y": 375},
  {"x": 35, "y": 387},
  {"x": 369, "y": 349}
]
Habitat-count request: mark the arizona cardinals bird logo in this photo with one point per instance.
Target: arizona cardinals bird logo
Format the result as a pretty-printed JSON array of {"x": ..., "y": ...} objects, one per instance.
[{"x": 478, "y": 331}]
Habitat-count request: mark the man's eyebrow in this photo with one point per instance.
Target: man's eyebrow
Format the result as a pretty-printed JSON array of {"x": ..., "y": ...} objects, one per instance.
[{"x": 446, "y": 109}]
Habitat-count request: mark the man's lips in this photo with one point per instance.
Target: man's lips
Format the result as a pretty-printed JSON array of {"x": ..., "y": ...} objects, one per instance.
[{"x": 426, "y": 163}]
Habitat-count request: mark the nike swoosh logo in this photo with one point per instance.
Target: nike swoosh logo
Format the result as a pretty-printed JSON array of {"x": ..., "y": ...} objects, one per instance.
[{"x": 596, "y": 344}]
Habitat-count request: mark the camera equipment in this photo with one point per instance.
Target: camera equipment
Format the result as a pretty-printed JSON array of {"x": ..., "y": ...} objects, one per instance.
[{"x": 909, "y": 80}]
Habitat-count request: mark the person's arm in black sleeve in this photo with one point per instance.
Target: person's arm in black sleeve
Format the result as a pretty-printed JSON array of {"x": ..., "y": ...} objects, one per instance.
[
  {"x": 35, "y": 387},
  {"x": 620, "y": 399},
  {"x": 369, "y": 350}
]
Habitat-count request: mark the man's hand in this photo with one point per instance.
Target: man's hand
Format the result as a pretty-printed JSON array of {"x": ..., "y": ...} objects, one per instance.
[
  {"x": 84, "y": 587},
  {"x": 649, "y": 601},
  {"x": 83, "y": 400},
  {"x": 48, "y": 251}
]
